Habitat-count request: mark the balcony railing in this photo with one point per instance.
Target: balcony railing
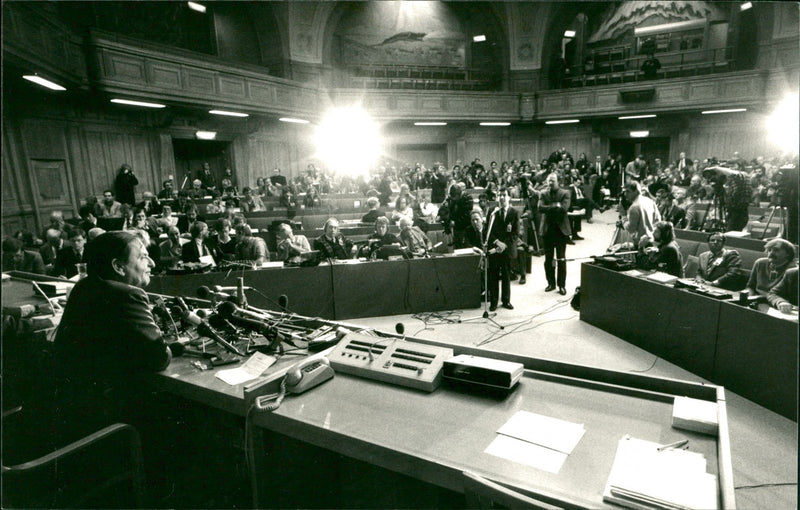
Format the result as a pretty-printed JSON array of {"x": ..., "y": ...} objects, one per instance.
[
  {"x": 625, "y": 69},
  {"x": 375, "y": 76}
]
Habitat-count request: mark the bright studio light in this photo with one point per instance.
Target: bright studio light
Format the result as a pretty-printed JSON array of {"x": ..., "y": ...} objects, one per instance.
[
  {"x": 782, "y": 125},
  {"x": 348, "y": 141}
]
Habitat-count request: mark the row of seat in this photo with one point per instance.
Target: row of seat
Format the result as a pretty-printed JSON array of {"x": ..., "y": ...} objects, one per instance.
[
  {"x": 419, "y": 83},
  {"x": 619, "y": 74}
]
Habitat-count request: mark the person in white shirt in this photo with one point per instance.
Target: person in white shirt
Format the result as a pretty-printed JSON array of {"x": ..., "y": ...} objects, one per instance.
[
  {"x": 290, "y": 245},
  {"x": 642, "y": 215}
]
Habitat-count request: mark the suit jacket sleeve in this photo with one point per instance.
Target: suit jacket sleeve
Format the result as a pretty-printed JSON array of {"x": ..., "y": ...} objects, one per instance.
[
  {"x": 144, "y": 346},
  {"x": 785, "y": 291},
  {"x": 732, "y": 262}
]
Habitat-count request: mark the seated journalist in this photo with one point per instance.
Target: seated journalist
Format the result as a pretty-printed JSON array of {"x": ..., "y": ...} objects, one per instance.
[
  {"x": 249, "y": 247},
  {"x": 769, "y": 270},
  {"x": 381, "y": 237},
  {"x": 414, "y": 238},
  {"x": 107, "y": 337},
  {"x": 665, "y": 255},
  {"x": 289, "y": 244},
  {"x": 783, "y": 296},
  {"x": 332, "y": 244},
  {"x": 15, "y": 258},
  {"x": 373, "y": 213},
  {"x": 719, "y": 266}
]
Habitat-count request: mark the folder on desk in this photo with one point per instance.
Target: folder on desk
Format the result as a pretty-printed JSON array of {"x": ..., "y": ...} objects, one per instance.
[
  {"x": 660, "y": 277},
  {"x": 644, "y": 477}
]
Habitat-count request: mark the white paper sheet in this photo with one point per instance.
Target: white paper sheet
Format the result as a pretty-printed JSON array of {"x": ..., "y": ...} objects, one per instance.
[
  {"x": 252, "y": 368},
  {"x": 791, "y": 316},
  {"x": 526, "y": 453},
  {"x": 544, "y": 431}
]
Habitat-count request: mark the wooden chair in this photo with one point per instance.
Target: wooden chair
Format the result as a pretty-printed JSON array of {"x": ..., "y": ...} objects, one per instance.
[
  {"x": 483, "y": 493},
  {"x": 102, "y": 470}
]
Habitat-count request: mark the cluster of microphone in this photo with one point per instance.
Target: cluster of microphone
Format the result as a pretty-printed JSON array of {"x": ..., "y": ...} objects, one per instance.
[{"x": 230, "y": 312}]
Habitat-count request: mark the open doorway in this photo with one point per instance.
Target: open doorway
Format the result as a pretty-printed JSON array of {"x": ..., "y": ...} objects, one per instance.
[
  {"x": 190, "y": 156},
  {"x": 650, "y": 148}
]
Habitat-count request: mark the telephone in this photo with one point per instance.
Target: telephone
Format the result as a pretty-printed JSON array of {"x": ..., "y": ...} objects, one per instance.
[{"x": 307, "y": 374}]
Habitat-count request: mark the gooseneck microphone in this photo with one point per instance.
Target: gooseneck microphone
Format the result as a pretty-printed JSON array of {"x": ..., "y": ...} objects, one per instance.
[
  {"x": 203, "y": 292},
  {"x": 204, "y": 328},
  {"x": 229, "y": 311}
]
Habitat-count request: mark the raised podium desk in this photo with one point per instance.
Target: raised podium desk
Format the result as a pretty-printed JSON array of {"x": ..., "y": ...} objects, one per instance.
[
  {"x": 349, "y": 290},
  {"x": 748, "y": 352}
]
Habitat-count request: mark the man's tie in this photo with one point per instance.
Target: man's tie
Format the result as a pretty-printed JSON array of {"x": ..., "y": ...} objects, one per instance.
[{"x": 578, "y": 192}]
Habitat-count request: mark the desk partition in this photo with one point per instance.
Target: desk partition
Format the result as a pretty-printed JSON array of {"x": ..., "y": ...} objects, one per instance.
[
  {"x": 346, "y": 291},
  {"x": 745, "y": 350}
]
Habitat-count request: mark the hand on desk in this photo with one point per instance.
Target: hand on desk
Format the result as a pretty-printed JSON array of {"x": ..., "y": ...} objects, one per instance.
[{"x": 785, "y": 307}]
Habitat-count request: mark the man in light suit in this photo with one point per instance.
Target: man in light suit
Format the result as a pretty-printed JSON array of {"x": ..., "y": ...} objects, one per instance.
[
  {"x": 685, "y": 168},
  {"x": 642, "y": 215},
  {"x": 502, "y": 229},
  {"x": 555, "y": 230}
]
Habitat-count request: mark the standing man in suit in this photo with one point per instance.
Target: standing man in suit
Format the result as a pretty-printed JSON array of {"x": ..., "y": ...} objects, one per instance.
[
  {"x": 596, "y": 168},
  {"x": 554, "y": 229},
  {"x": 502, "y": 231},
  {"x": 614, "y": 174},
  {"x": 685, "y": 168}
]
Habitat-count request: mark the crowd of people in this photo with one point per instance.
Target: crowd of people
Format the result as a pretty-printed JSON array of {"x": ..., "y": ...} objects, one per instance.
[{"x": 557, "y": 194}]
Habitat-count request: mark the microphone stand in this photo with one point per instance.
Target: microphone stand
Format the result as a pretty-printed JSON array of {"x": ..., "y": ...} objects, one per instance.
[{"x": 488, "y": 316}]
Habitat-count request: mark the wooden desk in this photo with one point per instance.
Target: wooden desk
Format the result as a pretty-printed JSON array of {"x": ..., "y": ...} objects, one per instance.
[
  {"x": 748, "y": 351},
  {"x": 346, "y": 291}
]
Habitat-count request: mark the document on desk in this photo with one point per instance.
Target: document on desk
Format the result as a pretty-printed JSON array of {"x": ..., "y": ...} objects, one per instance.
[
  {"x": 252, "y": 368},
  {"x": 791, "y": 316},
  {"x": 646, "y": 476},
  {"x": 552, "y": 433},
  {"x": 523, "y": 452}
]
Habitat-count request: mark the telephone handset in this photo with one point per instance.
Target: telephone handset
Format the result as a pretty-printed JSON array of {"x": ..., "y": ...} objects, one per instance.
[
  {"x": 299, "y": 378},
  {"x": 307, "y": 374}
]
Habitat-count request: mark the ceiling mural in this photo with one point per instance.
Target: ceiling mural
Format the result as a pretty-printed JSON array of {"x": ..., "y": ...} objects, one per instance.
[
  {"x": 626, "y": 16},
  {"x": 420, "y": 33}
]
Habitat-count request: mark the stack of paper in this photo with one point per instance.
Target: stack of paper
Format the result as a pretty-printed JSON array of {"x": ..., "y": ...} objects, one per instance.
[
  {"x": 660, "y": 277},
  {"x": 697, "y": 415},
  {"x": 536, "y": 440},
  {"x": 644, "y": 477}
]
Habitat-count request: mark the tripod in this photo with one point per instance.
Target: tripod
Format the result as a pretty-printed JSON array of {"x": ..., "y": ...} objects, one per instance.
[
  {"x": 782, "y": 228},
  {"x": 718, "y": 206}
]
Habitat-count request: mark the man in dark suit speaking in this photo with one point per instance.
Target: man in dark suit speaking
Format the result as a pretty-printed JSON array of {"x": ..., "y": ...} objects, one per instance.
[
  {"x": 555, "y": 230},
  {"x": 502, "y": 229},
  {"x": 107, "y": 337}
]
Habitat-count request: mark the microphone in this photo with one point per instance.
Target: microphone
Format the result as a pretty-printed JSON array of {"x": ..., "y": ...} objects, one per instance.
[
  {"x": 227, "y": 310},
  {"x": 241, "y": 300},
  {"x": 400, "y": 328},
  {"x": 283, "y": 302},
  {"x": 220, "y": 288},
  {"x": 177, "y": 349},
  {"x": 206, "y": 330},
  {"x": 203, "y": 292}
]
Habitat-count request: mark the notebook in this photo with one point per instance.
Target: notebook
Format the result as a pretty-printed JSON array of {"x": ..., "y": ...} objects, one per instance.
[{"x": 642, "y": 477}]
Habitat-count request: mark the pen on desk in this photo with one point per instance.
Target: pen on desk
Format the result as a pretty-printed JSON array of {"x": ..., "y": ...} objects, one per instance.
[{"x": 676, "y": 444}]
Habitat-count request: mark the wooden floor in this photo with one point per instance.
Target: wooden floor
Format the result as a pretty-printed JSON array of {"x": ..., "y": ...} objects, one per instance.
[{"x": 544, "y": 325}]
